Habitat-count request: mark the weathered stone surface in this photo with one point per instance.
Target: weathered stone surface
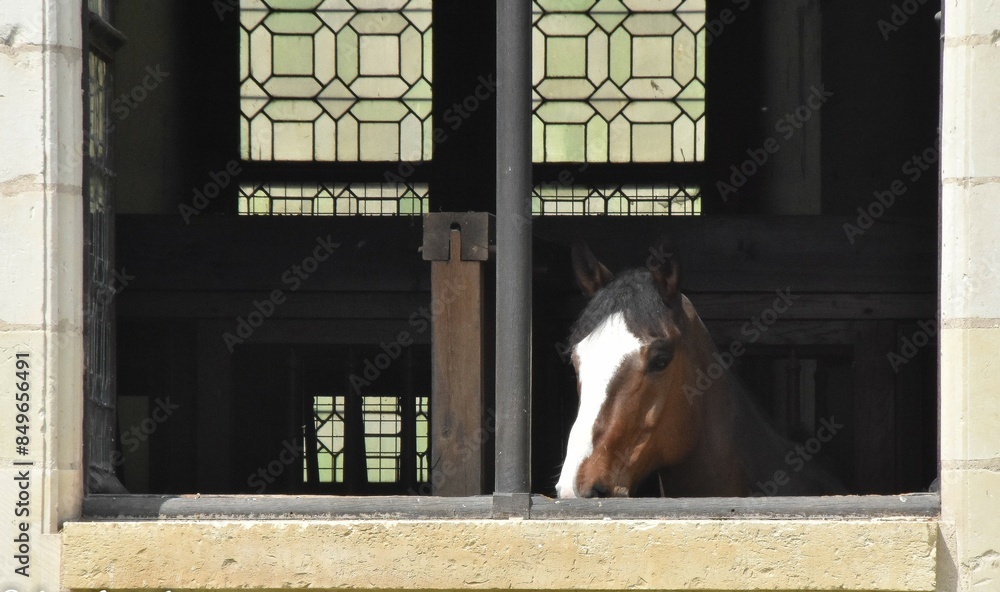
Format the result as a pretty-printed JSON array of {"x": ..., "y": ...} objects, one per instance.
[{"x": 515, "y": 554}]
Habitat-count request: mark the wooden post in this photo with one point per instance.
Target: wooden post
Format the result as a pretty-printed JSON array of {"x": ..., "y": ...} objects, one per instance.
[{"x": 457, "y": 245}]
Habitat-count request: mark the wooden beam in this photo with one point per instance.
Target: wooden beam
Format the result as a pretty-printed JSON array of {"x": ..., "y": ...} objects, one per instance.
[{"x": 457, "y": 374}]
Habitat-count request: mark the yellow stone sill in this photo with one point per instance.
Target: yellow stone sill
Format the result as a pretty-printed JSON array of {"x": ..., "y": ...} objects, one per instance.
[{"x": 891, "y": 554}]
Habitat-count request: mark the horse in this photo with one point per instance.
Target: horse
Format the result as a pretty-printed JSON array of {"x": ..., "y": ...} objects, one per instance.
[{"x": 637, "y": 348}]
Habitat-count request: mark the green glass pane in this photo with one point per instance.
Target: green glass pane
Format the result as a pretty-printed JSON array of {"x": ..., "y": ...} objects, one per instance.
[
  {"x": 410, "y": 55},
  {"x": 379, "y": 86},
  {"x": 651, "y": 56},
  {"x": 608, "y": 14},
  {"x": 565, "y": 143},
  {"x": 252, "y": 12},
  {"x": 379, "y": 111},
  {"x": 565, "y": 5},
  {"x": 685, "y": 56},
  {"x": 293, "y": 4},
  {"x": 652, "y": 142},
  {"x": 619, "y": 140},
  {"x": 577, "y": 25},
  {"x": 379, "y": 4},
  {"x": 373, "y": 23},
  {"x": 325, "y": 49},
  {"x": 566, "y": 56},
  {"x": 660, "y": 89},
  {"x": 282, "y": 87},
  {"x": 621, "y": 56},
  {"x": 293, "y": 54},
  {"x": 379, "y": 141},
  {"x": 652, "y": 111},
  {"x": 565, "y": 112},
  {"x": 693, "y": 18},
  {"x": 684, "y": 131},
  {"x": 292, "y": 22},
  {"x": 597, "y": 140},
  {"x": 410, "y": 205},
  {"x": 566, "y": 88},
  {"x": 347, "y": 55},
  {"x": 292, "y": 110},
  {"x": 418, "y": 12},
  {"x": 652, "y": 24},
  {"x": 597, "y": 57},
  {"x": 617, "y": 205},
  {"x": 656, "y": 5},
  {"x": 379, "y": 55}
]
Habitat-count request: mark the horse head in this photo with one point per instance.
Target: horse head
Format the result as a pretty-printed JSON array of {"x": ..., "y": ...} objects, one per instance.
[{"x": 634, "y": 348}]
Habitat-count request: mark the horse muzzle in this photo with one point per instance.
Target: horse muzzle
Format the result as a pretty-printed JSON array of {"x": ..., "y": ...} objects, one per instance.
[{"x": 599, "y": 489}]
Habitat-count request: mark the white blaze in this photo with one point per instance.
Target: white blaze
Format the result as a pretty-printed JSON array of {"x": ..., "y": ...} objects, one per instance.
[{"x": 598, "y": 357}]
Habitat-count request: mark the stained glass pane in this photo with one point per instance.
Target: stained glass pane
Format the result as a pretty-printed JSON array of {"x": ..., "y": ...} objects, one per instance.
[
  {"x": 650, "y": 200},
  {"x": 333, "y": 199},
  {"x": 335, "y": 80},
  {"x": 619, "y": 81}
]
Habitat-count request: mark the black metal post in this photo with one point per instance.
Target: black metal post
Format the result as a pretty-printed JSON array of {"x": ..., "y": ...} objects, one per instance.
[{"x": 513, "y": 312}]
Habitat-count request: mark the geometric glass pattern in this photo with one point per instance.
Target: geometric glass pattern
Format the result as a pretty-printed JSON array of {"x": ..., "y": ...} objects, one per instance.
[
  {"x": 618, "y": 81},
  {"x": 328, "y": 416},
  {"x": 660, "y": 199},
  {"x": 383, "y": 424},
  {"x": 423, "y": 440},
  {"x": 382, "y": 437},
  {"x": 333, "y": 199},
  {"x": 335, "y": 80}
]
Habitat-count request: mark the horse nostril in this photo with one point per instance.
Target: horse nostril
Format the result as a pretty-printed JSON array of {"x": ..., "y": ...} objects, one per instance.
[{"x": 598, "y": 489}]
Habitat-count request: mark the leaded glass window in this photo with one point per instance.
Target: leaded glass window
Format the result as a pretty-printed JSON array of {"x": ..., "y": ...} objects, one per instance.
[
  {"x": 328, "y": 417},
  {"x": 335, "y": 80},
  {"x": 334, "y": 84},
  {"x": 622, "y": 200},
  {"x": 619, "y": 82},
  {"x": 371, "y": 199},
  {"x": 349, "y": 82},
  {"x": 383, "y": 438}
]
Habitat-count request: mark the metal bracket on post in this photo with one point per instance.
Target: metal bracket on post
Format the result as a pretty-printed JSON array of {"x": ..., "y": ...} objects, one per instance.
[
  {"x": 475, "y": 228},
  {"x": 457, "y": 244}
]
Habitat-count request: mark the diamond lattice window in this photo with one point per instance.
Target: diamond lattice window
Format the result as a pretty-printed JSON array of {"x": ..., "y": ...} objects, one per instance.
[
  {"x": 618, "y": 81},
  {"x": 335, "y": 80}
]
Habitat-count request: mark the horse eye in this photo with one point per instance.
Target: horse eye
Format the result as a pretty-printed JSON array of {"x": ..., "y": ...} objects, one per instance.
[{"x": 659, "y": 362}]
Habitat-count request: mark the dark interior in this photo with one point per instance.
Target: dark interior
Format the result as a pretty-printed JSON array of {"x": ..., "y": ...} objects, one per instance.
[{"x": 861, "y": 296}]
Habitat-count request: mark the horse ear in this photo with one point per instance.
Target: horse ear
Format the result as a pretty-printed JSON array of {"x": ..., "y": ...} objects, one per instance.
[
  {"x": 666, "y": 274},
  {"x": 590, "y": 273}
]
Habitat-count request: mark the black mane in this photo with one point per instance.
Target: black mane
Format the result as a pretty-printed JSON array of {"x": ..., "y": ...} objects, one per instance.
[{"x": 631, "y": 293}]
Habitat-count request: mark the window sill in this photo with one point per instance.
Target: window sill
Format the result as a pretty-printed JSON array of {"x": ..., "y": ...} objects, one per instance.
[{"x": 883, "y": 551}]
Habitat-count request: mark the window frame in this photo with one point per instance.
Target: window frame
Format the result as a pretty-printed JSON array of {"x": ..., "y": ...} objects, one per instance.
[{"x": 104, "y": 506}]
